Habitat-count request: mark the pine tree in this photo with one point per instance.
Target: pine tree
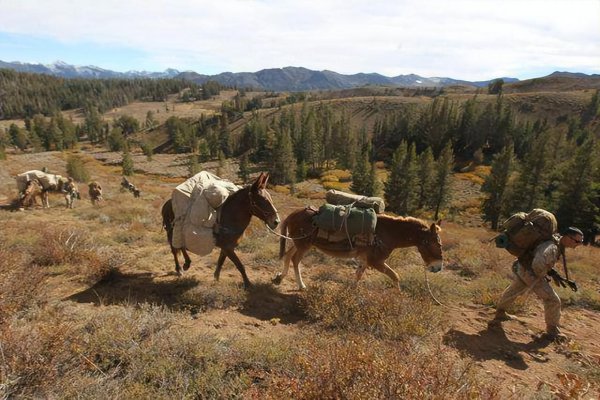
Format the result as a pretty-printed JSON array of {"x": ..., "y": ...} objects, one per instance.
[
  {"x": 496, "y": 186},
  {"x": 374, "y": 186},
  {"x": 530, "y": 186},
  {"x": 243, "y": 171},
  {"x": 193, "y": 165},
  {"x": 283, "y": 167},
  {"x": 408, "y": 187},
  {"x": 392, "y": 190},
  {"x": 128, "y": 167},
  {"x": 441, "y": 193},
  {"x": 361, "y": 174},
  {"x": 425, "y": 175},
  {"x": 577, "y": 205}
]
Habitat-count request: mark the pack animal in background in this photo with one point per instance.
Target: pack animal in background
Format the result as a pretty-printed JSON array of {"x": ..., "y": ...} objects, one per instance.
[
  {"x": 49, "y": 182},
  {"x": 95, "y": 192},
  {"x": 524, "y": 231},
  {"x": 126, "y": 185}
]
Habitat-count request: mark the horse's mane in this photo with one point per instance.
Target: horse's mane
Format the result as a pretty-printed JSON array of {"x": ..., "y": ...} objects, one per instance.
[{"x": 410, "y": 220}]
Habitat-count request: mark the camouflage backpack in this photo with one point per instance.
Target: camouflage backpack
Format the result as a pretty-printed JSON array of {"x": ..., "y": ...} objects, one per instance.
[{"x": 523, "y": 231}]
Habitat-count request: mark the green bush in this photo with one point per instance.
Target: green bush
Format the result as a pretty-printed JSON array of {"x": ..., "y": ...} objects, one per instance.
[
  {"x": 77, "y": 170},
  {"x": 128, "y": 168}
]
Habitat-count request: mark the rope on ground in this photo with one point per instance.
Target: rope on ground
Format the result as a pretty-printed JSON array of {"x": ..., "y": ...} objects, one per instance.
[{"x": 525, "y": 292}]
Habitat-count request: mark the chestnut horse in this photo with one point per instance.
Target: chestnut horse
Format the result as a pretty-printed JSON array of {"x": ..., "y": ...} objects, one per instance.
[
  {"x": 235, "y": 215},
  {"x": 390, "y": 233}
]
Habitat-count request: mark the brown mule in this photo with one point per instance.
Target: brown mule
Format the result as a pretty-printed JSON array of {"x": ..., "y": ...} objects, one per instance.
[
  {"x": 236, "y": 212},
  {"x": 391, "y": 233}
]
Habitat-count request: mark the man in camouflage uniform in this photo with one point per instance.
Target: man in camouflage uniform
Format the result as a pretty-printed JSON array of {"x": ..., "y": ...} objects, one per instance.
[
  {"x": 71, "y": 192},
  {"x": 530, "y": 275}
]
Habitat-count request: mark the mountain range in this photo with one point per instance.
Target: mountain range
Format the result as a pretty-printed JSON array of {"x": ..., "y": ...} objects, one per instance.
[{"x": 275, "y": 79}]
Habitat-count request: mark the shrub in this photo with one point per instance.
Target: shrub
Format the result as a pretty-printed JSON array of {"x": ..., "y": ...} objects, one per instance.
[
  {"x": 20, "y": 282},
  {"x": 383, "y": 313},
  {"x": 340, "y": 175},
  {"x": 356, "y": 367},
  {"x": 76, "y": 247},
  {"x": 128, "y": 167},
  {"x": 337, "y": 186},
  {"x": 329, "y": 178},
  {"x": 77, "y": 170}
]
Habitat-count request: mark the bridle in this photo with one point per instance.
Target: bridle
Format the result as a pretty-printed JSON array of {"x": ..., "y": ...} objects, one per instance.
[
  {"x": 259, "y": 212},
  {"x": 426, "y": 242}
]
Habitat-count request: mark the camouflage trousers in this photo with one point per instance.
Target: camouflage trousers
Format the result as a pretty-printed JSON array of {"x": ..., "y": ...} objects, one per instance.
[{"x": 522, "y": 284}]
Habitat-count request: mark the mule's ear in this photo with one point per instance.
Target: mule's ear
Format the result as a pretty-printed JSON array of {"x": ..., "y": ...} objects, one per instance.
[
  {"x": 435, "y": 228},
  {"x": 258, "y": 183},
  {"x": 266, "y": 180},
  {"x": 439, "y": 222}
]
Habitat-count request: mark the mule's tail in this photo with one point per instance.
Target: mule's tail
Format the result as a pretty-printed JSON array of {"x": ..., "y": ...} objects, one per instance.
[
  {"x": 168, "y": 216},
  {"x": 282, "y": 239}
]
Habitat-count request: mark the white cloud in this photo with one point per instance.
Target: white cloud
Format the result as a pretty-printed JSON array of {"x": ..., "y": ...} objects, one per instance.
[{"x": 461, "y": 39}]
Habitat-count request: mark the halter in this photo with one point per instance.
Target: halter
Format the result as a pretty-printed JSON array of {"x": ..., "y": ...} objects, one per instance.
[{"x": 257, "y": 211}]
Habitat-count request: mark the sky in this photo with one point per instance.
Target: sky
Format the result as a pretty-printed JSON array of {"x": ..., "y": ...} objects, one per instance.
[{"x": 470, "y": 40}]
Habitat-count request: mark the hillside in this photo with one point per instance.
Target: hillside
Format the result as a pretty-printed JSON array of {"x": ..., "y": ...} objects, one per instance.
[{"x": 105, "y": 315}]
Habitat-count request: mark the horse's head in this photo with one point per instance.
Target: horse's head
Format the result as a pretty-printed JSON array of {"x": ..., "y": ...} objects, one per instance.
[
  {"x": 261, "y": 204},
  {"x": 430, "y": 247}
]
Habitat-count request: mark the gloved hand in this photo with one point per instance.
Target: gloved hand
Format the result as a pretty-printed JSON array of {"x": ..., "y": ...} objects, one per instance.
[
  {"x": 572, "y": 285},
  {"x": 559, "y": 280}
]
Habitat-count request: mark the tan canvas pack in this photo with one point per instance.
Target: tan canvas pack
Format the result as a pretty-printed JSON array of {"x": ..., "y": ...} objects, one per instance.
[{"x": 523, "y": 231}]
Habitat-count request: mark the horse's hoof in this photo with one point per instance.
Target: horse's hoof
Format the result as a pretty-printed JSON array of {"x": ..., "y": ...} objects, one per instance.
[
  {"x": 187, "y": 265},
  {"x": 178, "y": 272},
  {"x": 216, "y": 277},
  {"x": 277, "y": 280}
]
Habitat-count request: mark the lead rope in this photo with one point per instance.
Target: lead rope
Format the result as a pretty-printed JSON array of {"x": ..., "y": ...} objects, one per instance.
[
  {"x": 525, "y": 292},
  {"x": 288, "y": 237}
]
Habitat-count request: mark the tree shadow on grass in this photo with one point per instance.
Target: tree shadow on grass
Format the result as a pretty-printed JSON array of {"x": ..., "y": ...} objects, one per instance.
[
  {"x": 261, "y": 301},
  {"x": 492, "y": 343},
  {"x": 265, "y": 302},
  {"x": 135, "y": 288}
]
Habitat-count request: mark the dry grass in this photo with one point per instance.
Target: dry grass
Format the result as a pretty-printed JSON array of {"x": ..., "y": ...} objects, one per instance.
[
  {"x": 360, "y": 368},
  {"x": 384, "y": 314}
]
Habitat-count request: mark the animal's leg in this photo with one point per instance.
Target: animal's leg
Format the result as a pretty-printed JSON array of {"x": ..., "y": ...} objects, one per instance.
[
  {"x": 296, "y": 257},
  {"x": 220, "y": 261},
  {"x": 362, "y": 266},
  {"x": 177, "y": 267},
  {"x": 385, "y": 269},
  {"x": 285, "y": 263},
  {"x": 238, "y": 264},
  {"x": 188, "y": 260},
  {"x": 45, "y": 200}
]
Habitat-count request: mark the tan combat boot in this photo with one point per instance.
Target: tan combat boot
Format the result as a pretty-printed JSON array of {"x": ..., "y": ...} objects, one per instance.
[
  {"x": 553, "y": 334},
  {"x": 500, "y": 316}
]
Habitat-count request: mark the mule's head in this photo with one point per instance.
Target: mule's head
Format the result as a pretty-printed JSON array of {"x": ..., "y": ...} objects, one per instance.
[
  {"x": 430, "y": 247},
  {"x": 261, "y": 203}
]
